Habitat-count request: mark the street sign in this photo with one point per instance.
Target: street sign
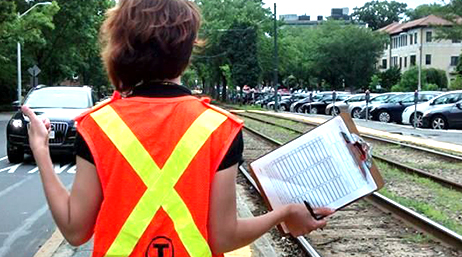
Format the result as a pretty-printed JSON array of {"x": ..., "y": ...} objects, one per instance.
[{"x": 34, "y": 71}]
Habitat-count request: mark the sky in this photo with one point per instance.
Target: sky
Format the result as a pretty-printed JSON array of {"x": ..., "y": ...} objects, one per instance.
[{"x": 323, "y": 7}]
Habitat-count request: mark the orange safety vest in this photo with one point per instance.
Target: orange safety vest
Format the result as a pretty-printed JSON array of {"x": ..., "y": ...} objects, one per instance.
[{"x": 156, "y": 159}]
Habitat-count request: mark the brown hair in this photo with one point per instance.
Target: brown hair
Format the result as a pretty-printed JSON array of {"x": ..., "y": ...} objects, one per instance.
[{"x": 146, "y": 40}]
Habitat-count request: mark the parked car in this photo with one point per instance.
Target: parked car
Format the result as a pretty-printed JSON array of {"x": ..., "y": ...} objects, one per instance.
[
  {"x": 60, "y": 105},
  {"x": 346, "y": 105},
  {"x": 443, "y": 117},
  {"x": 319, "y": 106},
  {"x": 439, "y": 101},
  {"x": 358, "y": 113},
  {"x": 282, "y": 99},
  {"x": 295, "y": 107},
  {"x": 391, "y": 110},
  {"x": 285, "y": 103}
]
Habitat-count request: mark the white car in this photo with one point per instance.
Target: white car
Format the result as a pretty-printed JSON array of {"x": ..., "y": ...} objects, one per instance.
[{"x": 439, "y": 101}]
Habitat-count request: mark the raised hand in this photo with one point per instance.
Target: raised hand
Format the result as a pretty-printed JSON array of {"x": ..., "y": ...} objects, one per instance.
[{"x": 38, "y": 130}]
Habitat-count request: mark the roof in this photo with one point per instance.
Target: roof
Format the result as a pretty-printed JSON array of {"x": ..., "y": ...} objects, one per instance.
[{"x": 428, "y": 21}]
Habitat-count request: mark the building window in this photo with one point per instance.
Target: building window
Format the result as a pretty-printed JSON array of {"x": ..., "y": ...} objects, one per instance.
[
  {"x": 405, "y": 62},
  {"x": 428, "y": 59},
  {"x": 415, "y": 38},
  {"x": 454, "y": 60},
  {"x": 413, "y": 60},
  {"x": 455, "y": 41},
  {"x": 384, "y": 63},
  {"x": 400, "y": 62},
  {"x": 412, "y": 39},
  {"x": 429, "y": 36}
]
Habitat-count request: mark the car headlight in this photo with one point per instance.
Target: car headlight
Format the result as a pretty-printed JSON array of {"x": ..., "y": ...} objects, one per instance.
[{"x": 17, "y": 123}]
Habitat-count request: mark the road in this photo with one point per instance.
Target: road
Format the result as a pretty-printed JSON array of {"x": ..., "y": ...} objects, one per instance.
[{"x": 25, "y": 220}]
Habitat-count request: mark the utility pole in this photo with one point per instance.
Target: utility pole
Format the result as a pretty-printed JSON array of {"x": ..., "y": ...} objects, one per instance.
[
  {"x": 276, "y": 101},
  {"x": 419, "y": 87}
]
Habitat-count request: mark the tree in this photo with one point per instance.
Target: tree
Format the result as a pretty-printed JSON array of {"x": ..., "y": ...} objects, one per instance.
[
  {"x": 452, "y": 12},
  {"x": 345, "y": 55},
  {"x": 390, "y": 77},
  {"x": 378, "y": 14},
  {"x": 27, "y": 30},
  {"x": 424, "y": 10}
]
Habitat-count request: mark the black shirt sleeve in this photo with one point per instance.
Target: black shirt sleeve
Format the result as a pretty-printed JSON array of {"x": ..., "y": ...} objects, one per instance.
[{"x": 233, "y": 156}]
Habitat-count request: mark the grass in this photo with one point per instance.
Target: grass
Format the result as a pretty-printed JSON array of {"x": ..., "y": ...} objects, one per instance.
[{"x": 443, "y": 200}]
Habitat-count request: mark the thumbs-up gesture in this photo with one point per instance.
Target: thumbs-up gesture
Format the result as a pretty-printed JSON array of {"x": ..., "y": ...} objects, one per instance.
[{"x": 38, "y": 130}]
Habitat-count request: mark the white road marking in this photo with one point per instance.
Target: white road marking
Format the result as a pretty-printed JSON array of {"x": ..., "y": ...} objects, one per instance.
[
  {"x": 72, "y": 169},
  {"x": 3, "y": 158},
  {"x": 59, "y": 169},
  {"x": 11, "y": 169},
  {"x": 34, "y": 170},
  {"x": 14, "y": 186}
]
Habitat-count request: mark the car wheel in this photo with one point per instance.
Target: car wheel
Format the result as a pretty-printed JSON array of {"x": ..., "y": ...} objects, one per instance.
[
  {"x": 15, "y": 154},
  {"x": 384, "y": 116},
  {"x": 439, "y": 122},
  {"x": 314, "y": 110},
  {"x": 419, "y": 122},
  {"x": 356, "y": 113},
  {"x": 298, "y": 110},
  {"x": 335, "y": 111}
]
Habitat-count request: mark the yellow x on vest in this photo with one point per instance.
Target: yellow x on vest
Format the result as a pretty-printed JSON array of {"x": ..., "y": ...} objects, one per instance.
[{"x": 160, "y": 183}]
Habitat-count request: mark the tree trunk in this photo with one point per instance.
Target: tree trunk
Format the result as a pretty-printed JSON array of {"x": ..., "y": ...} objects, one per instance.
[{"x": 224, "y": 96}]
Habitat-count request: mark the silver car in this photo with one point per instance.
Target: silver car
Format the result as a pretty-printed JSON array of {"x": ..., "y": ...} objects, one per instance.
[{"x": 347, "y": 105}]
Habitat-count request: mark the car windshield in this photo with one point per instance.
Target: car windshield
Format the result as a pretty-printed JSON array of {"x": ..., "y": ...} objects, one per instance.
[{"x": 56, "y": 98}]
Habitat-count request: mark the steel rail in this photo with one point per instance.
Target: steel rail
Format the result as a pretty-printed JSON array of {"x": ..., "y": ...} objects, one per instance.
[
  {"x": 302, "y": 242},
  {"x": 418, "y": 221},
  {"x": 442, "y": 181}
]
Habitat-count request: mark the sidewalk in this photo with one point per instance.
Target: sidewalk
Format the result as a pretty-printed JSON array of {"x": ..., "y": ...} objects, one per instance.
[{"x": 56, "y": 246}]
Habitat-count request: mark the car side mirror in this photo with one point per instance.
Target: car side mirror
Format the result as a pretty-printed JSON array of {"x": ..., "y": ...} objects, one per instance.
[
  {"x": 400, "y": 102},
  {"x": 16, "y": 104},
  {"x": 459, "y": 105}
]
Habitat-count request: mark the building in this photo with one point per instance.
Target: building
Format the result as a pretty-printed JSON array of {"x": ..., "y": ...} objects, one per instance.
[
  {"x": 415, "y": 43},
  {"x": 341, "y": 14}
]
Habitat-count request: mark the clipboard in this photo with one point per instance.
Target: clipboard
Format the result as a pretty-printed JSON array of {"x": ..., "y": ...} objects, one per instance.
[{"x": 301, "y": 171}]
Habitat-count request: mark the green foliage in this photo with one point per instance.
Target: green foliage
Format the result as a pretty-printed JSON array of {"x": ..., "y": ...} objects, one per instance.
[
  {"x": 397, "y": 88},
  {"x": 424, "y": 10},
  {"x": 452, "y": 12},
  {"x": 378, "y": 14},
  {"x": 430, "y": 87},
  {"x": 410, "y": 80},
  {"x": 437, "y": 77},
  {"x": 375, "y": 81},
  {"x": 390, "y": 77},
  {"x": 345, "y": 54},
  {"x": 456, "y": 84},
  {"x": 459, "y": 65}
]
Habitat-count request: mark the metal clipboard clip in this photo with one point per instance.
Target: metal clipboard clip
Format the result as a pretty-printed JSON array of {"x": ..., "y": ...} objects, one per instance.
[{"x": 364, "y": 149}]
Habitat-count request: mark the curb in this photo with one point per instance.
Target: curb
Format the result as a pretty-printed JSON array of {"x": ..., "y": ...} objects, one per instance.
[{"x": 51, "y": 245}]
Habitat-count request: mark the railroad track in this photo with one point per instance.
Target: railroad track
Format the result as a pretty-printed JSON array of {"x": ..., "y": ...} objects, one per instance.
[
  {"x": 366, "y": 215},
  {"x": 447, "y": 182}
]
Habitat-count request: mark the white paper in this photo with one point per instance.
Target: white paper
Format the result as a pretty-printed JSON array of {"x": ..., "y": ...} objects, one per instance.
[{"x": 317, "y": 167}]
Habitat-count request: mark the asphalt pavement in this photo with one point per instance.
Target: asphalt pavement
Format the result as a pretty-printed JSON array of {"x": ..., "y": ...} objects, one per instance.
[{"x": 26, "y": 222}]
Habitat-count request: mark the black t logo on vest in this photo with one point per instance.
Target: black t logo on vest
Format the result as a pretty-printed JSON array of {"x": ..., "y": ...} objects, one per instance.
[{"x": 160, "y": 246}]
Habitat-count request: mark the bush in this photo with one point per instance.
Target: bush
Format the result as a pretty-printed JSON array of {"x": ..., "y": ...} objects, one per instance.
[
  {"x": 397, "y": 88},
  {"x": 436, "y": 76},
  {"x": 410, "y": 80},
  {"x": 430, "y": 87},
  {"x": 456, "y": 84}
]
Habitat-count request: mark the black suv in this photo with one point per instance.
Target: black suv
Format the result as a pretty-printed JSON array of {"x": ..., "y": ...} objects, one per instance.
[{"x": 61, "y": 105}]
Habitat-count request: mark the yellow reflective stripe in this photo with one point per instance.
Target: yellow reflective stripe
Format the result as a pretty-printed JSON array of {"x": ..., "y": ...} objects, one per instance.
[
  {"x": 185, "y": 226},
  {"x": 127, "y": 143},
  {"x": 158, "y": 183}
]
